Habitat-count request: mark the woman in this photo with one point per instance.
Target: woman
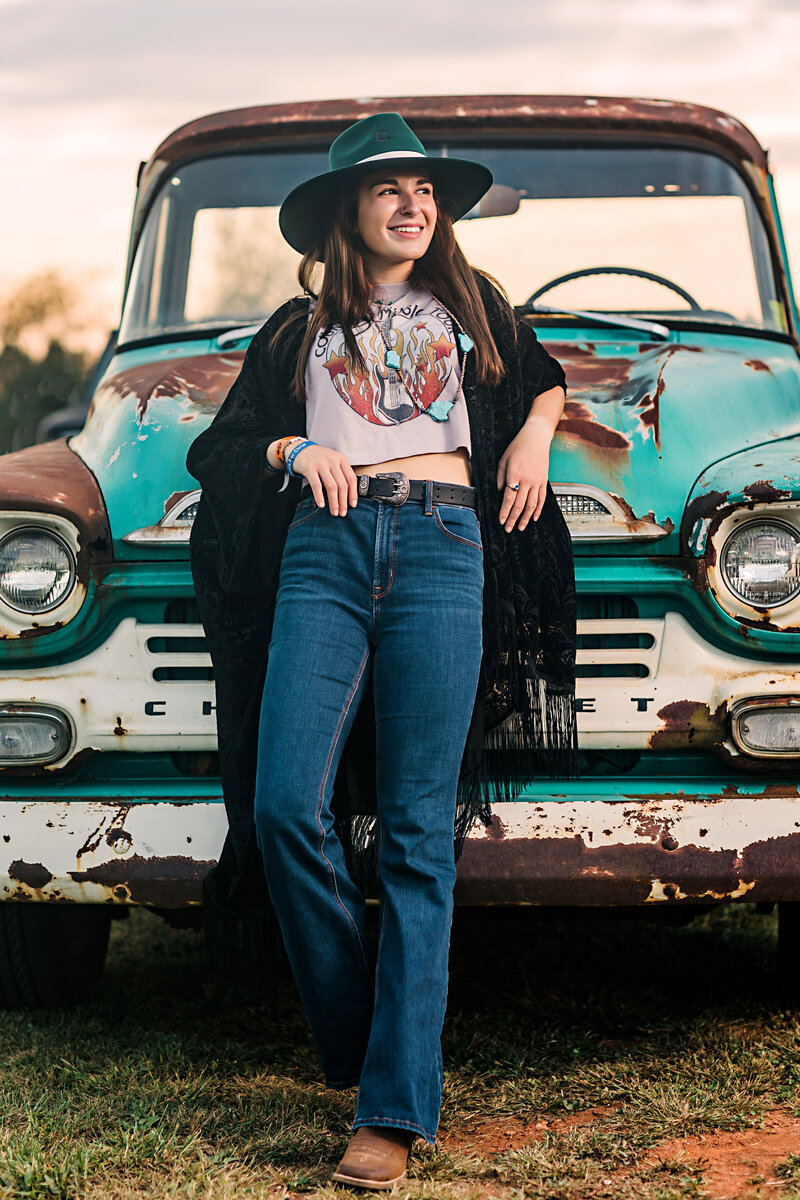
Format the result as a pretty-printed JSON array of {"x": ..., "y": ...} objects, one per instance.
[{"x": 383, "y": 459}]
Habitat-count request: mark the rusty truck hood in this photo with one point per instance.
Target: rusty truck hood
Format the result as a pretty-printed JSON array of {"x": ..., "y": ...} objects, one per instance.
[
  {"x": 148, "y": 409},
  {"x": 49, "y": 478},
  {"x": 643, "y": 420}
]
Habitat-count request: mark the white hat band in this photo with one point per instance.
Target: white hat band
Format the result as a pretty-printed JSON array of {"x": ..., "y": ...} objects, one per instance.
[{"x": 391, "y": 154}]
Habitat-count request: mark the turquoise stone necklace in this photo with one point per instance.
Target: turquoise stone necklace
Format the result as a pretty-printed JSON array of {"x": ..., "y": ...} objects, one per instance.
[
  {"x": 439, "y": 410},
  {"x": 391, "y": 357}
]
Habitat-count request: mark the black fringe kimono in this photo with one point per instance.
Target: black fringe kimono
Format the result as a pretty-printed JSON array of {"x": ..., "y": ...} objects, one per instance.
[{"x": 526, "y": 691}]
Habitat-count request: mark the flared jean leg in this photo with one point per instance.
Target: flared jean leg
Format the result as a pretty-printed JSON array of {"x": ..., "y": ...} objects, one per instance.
[
  {"x": 425, "y": 675},
  {"x": 318, "y": 669}
]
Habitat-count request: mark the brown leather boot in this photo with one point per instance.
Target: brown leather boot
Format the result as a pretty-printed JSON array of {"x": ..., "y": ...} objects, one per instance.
[{"x": 375, "y": 1158}]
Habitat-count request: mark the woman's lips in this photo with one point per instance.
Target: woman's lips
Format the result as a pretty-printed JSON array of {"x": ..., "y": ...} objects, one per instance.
[{"x": 406, "y": 231}]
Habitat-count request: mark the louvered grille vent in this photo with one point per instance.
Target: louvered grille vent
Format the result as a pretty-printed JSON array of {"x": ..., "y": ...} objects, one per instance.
[
  {"x": 575, "y": 504},
  {"x": 179, "y": 654},
  {"x": 612, "y": 643}
]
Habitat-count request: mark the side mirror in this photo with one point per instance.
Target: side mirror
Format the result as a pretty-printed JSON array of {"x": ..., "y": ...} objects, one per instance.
[{"x": 499, "y": 201}]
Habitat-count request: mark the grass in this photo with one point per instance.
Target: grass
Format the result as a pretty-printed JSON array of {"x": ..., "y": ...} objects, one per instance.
[{"x": 157, "y": 1089}]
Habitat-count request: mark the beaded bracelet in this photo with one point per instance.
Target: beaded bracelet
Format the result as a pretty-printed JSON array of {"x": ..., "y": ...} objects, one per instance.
[{"x": 292, "y": 455}]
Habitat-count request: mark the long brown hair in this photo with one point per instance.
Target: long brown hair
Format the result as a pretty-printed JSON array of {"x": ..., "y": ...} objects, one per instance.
[{"x": 345, "y": 295}]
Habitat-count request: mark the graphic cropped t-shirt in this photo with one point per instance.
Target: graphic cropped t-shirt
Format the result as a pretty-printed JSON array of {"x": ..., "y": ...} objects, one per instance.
[{"x": 388, "y": 411}]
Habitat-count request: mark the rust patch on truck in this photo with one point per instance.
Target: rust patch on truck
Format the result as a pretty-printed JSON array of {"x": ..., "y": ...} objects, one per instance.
[
  {"x": 595, "y": 114},
  {"x": 169, "y": 882},
  {"x": 30, "y": 875},
  {"x": 764, "y": 491},
  {"x": 598, "y": 377},
  {"x": 572, "y": 872},
  {"x": 35, "y": 630},
  {"x": 581, "y": 422},
  {"x": 49, "y": 478},
  {"x": 707, "y": 505},
  {"x": 636, "y": 383},
  {"x": 702, "y": 517},
  {"x": 649, "y": 404},
  {"x": 650, "y": 415},
  {"x": 175, "y": 498},
  {"x": 107, "y": 826},
  {"x": 204, "y": 381},
  {"x": 689, "y": 723}
]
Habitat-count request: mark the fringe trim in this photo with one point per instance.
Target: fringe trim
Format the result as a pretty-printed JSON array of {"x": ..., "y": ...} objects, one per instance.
[
  {"x": 539, "y": 741},
  {"x": 244, "y": 951}
]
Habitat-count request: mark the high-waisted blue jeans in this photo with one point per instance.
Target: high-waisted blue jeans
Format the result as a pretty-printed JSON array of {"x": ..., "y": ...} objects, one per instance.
[{"x": 398, "y": 591}]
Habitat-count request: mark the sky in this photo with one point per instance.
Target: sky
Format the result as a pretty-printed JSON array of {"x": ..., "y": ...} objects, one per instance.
[{"x": 88, "y": 88}]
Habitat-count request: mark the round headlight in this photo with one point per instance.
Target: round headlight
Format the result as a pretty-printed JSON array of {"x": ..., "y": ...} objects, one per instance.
[
  {"x": 761, "y": 563},
  {"x": 37, "y": 570}
]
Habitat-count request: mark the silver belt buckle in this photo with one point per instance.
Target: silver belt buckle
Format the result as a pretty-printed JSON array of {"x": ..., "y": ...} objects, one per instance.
[{"x": 400, "y": 490}]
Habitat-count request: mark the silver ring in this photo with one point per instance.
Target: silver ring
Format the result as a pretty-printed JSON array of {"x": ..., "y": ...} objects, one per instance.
[{"x": 514, "y": 486}]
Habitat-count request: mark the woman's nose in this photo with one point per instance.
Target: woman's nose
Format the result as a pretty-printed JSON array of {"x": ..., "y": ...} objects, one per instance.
[{"x": 408, "y": 202}]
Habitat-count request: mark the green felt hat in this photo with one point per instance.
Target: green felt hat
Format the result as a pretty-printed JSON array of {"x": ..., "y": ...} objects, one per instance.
[{"x": 372, "y": 143}]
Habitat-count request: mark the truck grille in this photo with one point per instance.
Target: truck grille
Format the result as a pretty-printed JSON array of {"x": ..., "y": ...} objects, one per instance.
[
  {"x": 179, "y": 653},
  {"x": 178, "y": 657},
  {"x": 612, "y": 643}
]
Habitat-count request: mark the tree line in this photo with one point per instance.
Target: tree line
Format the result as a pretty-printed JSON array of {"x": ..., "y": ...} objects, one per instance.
[{"x": 40, "y": 368}]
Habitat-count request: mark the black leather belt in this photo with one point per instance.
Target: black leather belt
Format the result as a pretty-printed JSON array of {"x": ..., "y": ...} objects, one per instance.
[{"x": 396, "y": 488}]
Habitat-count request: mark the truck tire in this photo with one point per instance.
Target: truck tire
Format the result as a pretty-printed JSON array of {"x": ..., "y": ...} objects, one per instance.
[
  {"x": 789, "y": 949},
  {"x": 51, "y": 955}
]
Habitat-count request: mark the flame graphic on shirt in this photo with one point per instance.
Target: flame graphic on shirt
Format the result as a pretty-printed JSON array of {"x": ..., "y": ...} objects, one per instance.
[{"x": 377, "y": 394}]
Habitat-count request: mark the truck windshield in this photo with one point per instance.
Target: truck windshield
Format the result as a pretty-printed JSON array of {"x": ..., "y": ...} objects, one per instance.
[{"x": 680, "y": 225}]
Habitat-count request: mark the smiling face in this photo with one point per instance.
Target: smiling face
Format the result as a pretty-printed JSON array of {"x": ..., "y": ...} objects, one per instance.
[{"x": 396, "y": 220}]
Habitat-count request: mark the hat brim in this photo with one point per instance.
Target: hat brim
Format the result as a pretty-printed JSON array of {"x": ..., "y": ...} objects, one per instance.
[{"x": 306, "y": 211}]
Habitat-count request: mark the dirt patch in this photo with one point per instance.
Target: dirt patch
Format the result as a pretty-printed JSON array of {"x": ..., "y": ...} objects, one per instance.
[
  {"x": 487, "y": 1139},
  {"x": 730, "y": 1160}
]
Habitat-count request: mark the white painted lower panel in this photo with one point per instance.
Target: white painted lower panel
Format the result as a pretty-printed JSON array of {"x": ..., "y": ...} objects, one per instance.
[
  {"x": 79, "y": 850},
  {"x": 114, "y": 702},
  {"x": 158, "y": 852}
]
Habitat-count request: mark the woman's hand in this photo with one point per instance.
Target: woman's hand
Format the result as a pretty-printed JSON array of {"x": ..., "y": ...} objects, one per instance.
[
  {"x": 525, "y": 462},
  {"x": 328, "y": 472},
  {"x": 527, "y": 459}
]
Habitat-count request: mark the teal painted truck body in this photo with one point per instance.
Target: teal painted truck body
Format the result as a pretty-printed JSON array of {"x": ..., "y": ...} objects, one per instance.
[{"x": 677, "y": 465}]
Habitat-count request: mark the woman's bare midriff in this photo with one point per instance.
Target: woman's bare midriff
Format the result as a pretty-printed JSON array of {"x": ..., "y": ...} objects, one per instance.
[{"x": 450, "y": 467}]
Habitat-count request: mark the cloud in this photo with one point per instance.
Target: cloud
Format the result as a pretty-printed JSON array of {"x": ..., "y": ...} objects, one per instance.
[
  {"x": 250, "y": 50},
  {"x": 193, "y": 48},
  {"x": 88, "y": 87}
]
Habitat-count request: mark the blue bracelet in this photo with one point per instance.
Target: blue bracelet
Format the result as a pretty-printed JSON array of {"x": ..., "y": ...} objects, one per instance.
[{"x": 292, "y": 455}]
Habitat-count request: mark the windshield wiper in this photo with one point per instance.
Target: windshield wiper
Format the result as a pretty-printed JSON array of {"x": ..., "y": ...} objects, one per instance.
[{"x": 600, "y": 318}]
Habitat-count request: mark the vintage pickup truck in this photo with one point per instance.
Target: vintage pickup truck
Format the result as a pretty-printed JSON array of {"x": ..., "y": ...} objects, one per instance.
[{"x": 642, "y": 239}]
